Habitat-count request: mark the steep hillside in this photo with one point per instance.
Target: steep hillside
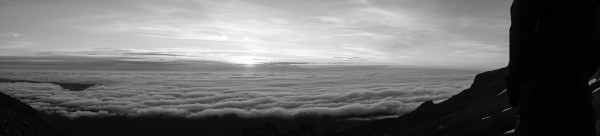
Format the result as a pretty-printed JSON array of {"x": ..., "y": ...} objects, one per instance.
[
  {"x": 481, "y": 110},
  {"x": 19, "y": 119}
]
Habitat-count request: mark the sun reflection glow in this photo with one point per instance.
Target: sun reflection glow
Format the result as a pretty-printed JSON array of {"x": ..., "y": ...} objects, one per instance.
[{"x": 248, "y": 61}]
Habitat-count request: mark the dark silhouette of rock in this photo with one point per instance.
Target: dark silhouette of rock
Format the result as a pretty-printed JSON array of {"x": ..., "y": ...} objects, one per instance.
[
  {"x": 481, "y": 110},
  {"x": 553, "y": 54},
  {"x": 66, "y": 86},
  {"x": 19, "y": 119}
]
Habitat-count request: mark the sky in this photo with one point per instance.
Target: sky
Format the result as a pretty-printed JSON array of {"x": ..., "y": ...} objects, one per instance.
[{"x": 458, "y": 34}]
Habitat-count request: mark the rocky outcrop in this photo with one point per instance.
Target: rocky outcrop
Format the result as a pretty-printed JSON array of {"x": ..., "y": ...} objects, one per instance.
[
  {"x": 481, "y": 110},
  {"x": 19, "y": 119}
]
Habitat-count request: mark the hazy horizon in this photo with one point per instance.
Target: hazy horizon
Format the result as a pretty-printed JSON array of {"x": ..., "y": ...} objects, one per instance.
[{"x": 439, "y": 34}]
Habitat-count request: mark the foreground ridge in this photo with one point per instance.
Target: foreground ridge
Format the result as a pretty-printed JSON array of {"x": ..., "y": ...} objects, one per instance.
[{"x": 19, "y": 119}]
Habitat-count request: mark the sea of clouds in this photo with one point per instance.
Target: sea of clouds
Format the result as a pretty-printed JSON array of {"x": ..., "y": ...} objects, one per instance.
[{"x": 245, "y": 94}]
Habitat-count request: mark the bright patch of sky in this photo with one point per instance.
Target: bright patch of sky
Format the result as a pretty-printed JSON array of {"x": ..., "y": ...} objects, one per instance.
[{"x": 464, "y": 34}]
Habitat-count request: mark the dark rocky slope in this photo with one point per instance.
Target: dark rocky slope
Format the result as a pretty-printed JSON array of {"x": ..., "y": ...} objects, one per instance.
[
  {"x": 19, "y": 119},
  {"x": 481, "y": 110}
]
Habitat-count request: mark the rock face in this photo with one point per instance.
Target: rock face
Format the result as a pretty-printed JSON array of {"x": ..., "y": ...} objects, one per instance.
[
  {"x": 19, "y": 119},
  {"x": 481, "y": 110}
]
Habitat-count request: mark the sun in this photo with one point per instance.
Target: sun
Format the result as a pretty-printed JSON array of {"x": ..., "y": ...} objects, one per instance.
[{"x": 247, "y": 60}]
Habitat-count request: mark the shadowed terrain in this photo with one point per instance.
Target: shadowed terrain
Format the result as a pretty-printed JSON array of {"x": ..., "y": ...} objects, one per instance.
[
  {"x": 482, "y": 110},
  {"x": 19, "y": 119}
]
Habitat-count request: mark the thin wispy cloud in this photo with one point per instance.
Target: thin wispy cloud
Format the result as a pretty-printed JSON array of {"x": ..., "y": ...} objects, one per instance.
[
  {"x": 429, "y": 33},
  {"x": 16, "y": 40}
]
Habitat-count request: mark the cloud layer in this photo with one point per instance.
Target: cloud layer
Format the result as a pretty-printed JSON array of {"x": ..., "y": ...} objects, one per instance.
[
  {"x": 428, "y": 33},
  {"x": 245, "y": 94}
]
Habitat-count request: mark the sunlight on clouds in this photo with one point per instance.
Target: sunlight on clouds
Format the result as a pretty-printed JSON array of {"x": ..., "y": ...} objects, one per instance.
[
  {"x": 187, "y": 32},
  {"x": 246, "y": 25},
  {"x": 311, "y": 30},
  {"x": 247, "y": 60},
  {"x": 16, "y": 40}
]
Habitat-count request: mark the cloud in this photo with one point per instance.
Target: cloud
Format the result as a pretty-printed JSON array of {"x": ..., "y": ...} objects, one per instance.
[
  {"x": 368, "y": 29},
  {"x": 12, "y": 35},
  {"x": 282, "y": 30},
  {"x": 257, "y": 94},
  {"x": 17, "y": 41}
]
